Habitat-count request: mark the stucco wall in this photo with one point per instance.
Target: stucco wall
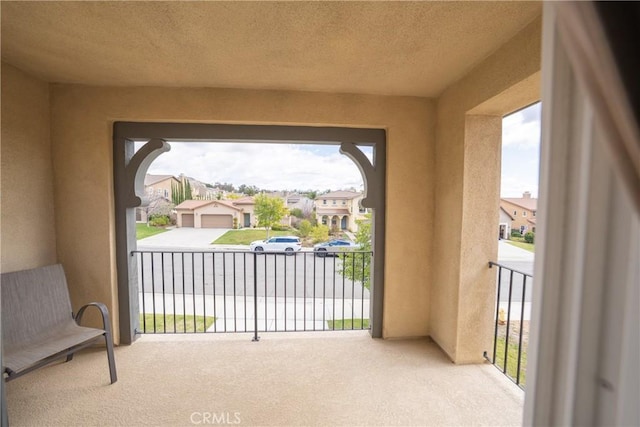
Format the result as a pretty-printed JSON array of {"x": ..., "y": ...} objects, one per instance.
[
  {"x": 467, "y": 180},
  {"x": 518, "y": 219},
  {"x": 28, "y": 216},
  {"x": 82, "y": 119}
]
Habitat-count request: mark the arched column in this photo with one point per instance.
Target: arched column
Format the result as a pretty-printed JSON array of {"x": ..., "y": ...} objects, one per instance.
[{"x": 130, "y": 168}]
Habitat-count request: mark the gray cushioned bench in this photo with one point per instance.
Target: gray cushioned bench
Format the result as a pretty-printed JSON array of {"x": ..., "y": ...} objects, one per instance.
[{"x": 38, "y": 325}]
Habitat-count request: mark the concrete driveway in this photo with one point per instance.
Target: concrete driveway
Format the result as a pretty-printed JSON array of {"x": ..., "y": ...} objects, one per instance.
[{"x": 183, "y": 238}]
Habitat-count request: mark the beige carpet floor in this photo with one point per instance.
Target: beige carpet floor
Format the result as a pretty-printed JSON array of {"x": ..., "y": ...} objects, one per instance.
[{"x": 344, "y": 379}]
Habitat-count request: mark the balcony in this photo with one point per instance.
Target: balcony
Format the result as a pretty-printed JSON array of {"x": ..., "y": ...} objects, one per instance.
[
  {"x": 330, "y": 372},
  {"x": 327, "y": 378}
]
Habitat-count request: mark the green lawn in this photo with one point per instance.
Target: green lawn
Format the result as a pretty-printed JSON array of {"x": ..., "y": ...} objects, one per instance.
[
  {"x": 523, "y": 245},
  {"x": 348, "y": 324},
  {"x": 179, "y": 323},
  {"x": 142, "y": 231},
  {"x": 246, "y": 236},
  {"x": 512, "y": 360}
]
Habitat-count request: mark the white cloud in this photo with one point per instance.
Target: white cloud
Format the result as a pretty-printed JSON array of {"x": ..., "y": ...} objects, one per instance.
[
  {"x": 517, "y": 131},
  {"x": 515, "y": 187},
  {"x": 268, "y": 166},
  {"x": 521, "y": 152}
]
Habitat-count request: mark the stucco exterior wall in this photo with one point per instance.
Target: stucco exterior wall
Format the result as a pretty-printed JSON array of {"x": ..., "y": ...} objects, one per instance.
[
  {"x": 28, "y": 215},
  {"x": 467, "y": 188},
  {"x": 82, "y": 118}
]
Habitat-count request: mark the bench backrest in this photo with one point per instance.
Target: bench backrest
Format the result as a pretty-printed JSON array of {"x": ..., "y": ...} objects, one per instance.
[{"x": 33, "y": 302}]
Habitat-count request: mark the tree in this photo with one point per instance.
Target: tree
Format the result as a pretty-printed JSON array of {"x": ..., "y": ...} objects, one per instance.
[
  {"x": 305, "y": 228},
  {"x": 181, "y": 192},
  {"x": 357, "y": 265},
  {"x": 157, "y": 206},
  {"x": 249, "y": 190},
  {"x": 269, "y": 210},
  {"x": 297, "y": 212},
  {"x": 226, "y": 187}
]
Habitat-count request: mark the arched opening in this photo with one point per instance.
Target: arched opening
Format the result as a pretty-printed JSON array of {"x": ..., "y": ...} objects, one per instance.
[{"x": 130, "y": 168}]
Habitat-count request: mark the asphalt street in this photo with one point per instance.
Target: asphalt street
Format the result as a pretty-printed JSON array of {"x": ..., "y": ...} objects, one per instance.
[
  {"x": 512, "y": 284},
  {"x": 302, "y": 275}
]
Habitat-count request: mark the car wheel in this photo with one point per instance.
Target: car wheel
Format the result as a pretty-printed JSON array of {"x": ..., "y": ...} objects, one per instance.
[
  {"x": 259, "y": 249},
  {"x": 322, "y": 252},
  {"x": 289, "y": 251}
]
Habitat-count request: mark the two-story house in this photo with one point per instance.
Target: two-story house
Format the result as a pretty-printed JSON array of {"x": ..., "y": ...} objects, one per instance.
[
  {"x": 159, "y": 185},
  {"x": 340, "y": 210},
  {"x": 522, "y": 210},
  {"x": 299, "y": 201},
  {"x": 158, "y": 191}
]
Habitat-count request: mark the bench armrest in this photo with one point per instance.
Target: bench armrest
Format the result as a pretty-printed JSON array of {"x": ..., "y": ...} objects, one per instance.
[
  {"x": 104, "y": 311},
  {"x": 108, "y": 338}
]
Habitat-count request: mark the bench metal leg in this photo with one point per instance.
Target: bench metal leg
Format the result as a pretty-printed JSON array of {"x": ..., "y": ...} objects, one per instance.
[
  {"x": 110, "y": 357},
  {"x": 4, "y": 416},
  {"x": 69, "y": 357}
]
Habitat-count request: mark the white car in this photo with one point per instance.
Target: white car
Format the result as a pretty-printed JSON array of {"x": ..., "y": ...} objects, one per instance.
[
  {"x": 288, "y": 244},
  {"x": 334, "y": 246}
]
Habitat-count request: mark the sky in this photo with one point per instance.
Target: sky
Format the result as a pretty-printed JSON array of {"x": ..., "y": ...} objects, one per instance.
[
  {"x": 521, "y": 152},
  {"x": 322, "y": 167},
  {"x": 267, "y": 166}
]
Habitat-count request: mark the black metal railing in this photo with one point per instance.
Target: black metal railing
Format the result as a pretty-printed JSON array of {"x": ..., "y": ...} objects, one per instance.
[
  {"x": 241, "y": 291},
  {"x": 511, "y": 324}
]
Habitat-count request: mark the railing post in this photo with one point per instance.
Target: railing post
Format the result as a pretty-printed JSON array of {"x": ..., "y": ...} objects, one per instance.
[
  {"x": 517, "y": 378},
  {"x": 255, "y": 298}
]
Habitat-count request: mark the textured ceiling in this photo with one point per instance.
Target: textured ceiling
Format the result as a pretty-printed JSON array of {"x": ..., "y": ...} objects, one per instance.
[{"x": 391, "y": 48}]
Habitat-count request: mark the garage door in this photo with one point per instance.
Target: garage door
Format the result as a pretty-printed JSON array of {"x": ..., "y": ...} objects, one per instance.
[
  {"x": 187, "y": 220},
  {"x": 216, "y": 221}
]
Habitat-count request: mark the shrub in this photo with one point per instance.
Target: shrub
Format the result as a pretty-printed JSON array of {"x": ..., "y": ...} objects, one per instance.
[
  {"x": 304, "y": 228},
  {"x": 159, "y": 220},
  {"x": 319, "y": 233},
  {"x": 529, "y": 237},
  {"x": 280, "y": 227},
  {"x": 235, "y": 223},
  {"x": 515, "y": 233}
]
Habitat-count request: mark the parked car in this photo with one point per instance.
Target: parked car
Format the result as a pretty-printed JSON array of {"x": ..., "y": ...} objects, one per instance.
[
  {"x": 332, "y": 247},
  {"x": 277, "y": 244}
]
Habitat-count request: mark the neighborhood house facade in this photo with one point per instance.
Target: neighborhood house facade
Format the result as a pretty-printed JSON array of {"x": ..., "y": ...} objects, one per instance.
[
  {"x": 216, "y": 213},
  {"x": 158, "y": 191},
  {"x": 340, "y": 209},
  {"x": 522, "y": 210}
]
